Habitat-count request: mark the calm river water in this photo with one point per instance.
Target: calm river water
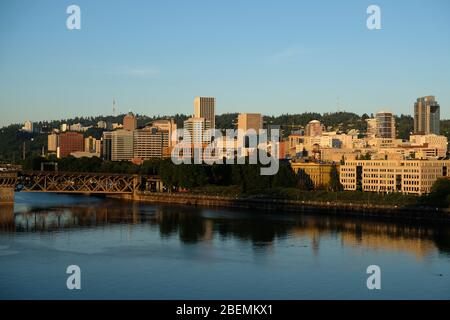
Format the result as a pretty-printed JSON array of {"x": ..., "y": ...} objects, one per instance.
[{"x": 129, "y": 250}]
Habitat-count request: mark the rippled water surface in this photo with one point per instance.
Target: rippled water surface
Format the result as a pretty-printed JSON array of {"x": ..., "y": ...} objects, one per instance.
[{"x": 141, "y": 251}]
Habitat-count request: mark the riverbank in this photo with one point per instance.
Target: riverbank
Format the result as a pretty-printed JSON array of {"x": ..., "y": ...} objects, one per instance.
[{"x": 324, "y": 207}]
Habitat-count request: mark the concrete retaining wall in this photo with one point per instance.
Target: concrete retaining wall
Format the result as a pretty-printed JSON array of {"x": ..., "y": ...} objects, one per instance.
[{"x": 384, "y": 211}]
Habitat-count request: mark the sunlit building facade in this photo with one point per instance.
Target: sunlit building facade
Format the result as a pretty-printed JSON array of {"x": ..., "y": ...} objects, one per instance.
[
  {"x": 426, "y": 116},
  {"x": 405, "y": 176}
]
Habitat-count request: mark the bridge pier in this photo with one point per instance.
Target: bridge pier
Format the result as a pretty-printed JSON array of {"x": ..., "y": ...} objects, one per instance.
[{"x": 6, "y": 195}]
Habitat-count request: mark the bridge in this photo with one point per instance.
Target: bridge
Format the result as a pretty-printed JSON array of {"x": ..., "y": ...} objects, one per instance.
[{"x": 74, "y": 182}]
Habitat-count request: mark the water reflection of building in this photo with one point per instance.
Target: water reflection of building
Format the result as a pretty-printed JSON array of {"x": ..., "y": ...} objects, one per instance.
[
  {"x": 419, "y": 240},
  {"x": 7, "y": 217},
  {"x": 192, "y": 225}
]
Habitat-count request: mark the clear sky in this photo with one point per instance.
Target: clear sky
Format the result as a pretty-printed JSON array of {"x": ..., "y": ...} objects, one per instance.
[{"x": 262, "y": 56}]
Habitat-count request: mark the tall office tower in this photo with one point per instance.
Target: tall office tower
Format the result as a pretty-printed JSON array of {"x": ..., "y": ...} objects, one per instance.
[
  {"x": 205, "y": 107},
  {"x": 385, "y": 125},
  {"x": 52, "y": 142},
  {"x": 248, "y": 121},
  {"x": 70, "y": 142},
  {"x": 107, "y": 145},
  {"x": 129, "y": 122},
  {"x": 314, "y": 128},
  {"x": 149, "y": 143},
  {"x": 371, "y": 127},
  {"x": 426, "y": 116},
  {"x": 118, "y": 145},
  {"x": 197, "y": 128}
]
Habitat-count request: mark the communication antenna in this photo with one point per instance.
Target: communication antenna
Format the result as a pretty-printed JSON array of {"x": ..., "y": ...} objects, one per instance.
[
  {"x": 338, "y": 104},
  {"x": 114, "y": 107}
]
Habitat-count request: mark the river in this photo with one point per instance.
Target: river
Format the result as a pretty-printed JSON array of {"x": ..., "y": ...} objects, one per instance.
[{"x": 128, "y": 250}]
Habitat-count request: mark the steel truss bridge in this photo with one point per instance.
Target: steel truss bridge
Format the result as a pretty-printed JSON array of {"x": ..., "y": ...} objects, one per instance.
[{"x": 78, "y": 182}]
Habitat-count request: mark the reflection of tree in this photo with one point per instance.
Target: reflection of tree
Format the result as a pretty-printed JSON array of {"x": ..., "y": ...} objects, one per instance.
[
  {"x": 191, "y": 226},
  {"x": 441, "y": 238},
  {"x": 188, "y": 222},
  {"x": 258, "y": 230}
]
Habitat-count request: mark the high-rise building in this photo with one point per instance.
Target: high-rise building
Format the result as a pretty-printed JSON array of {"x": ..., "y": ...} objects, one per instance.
[
  {"x": 205, "y": 107},
  {"x": 118, "y": 145},
  {"x": 150, "y": 143},
  {"x": 197, "y": 128},
  {"x": 130, "y": 122},
  {"x": 247, "y": 121},
  {"x": 52, "y": 142},
  {"x": 385, "y": 125},
  {"x": 371, "y": 127},
  {"x": 107, "y": 145},
  {"x": 314, "y": 128},
  {"x": 70, "y": 142},
  {"x": 426, "y": 116}
]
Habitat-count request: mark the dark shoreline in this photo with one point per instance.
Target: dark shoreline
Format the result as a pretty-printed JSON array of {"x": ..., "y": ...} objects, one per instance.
[{"x": 293, "y": 206}]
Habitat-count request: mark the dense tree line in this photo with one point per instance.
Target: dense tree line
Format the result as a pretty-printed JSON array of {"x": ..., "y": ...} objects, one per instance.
[
  {"x": 247, "y": 177},
  {"x": 439, "y": 195}
]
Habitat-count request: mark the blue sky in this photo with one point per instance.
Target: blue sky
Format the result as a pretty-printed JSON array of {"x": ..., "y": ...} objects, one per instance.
[{"x": 262, "y": 56}]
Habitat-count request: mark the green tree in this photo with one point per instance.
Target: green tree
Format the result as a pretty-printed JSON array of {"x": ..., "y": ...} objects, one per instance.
[
  {"x": 285, "y": 177},
  {"x": 304, "y": 181},
  {"x": 440, "y": 193},
  {"x": 335, "y": 183}
]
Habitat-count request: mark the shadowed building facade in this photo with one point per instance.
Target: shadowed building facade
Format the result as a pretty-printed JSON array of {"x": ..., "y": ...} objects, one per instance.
[{"x": 318, "y": 173}]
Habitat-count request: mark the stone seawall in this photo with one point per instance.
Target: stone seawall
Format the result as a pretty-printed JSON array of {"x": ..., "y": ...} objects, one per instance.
[{"x": 351, "y": 209}]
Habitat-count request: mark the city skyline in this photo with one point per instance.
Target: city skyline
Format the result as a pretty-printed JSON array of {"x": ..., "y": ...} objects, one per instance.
[
  {"x": 192, "y": 152},
  {"x": 267, "y": 58},
  {"x": 372, "y": 115}
]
